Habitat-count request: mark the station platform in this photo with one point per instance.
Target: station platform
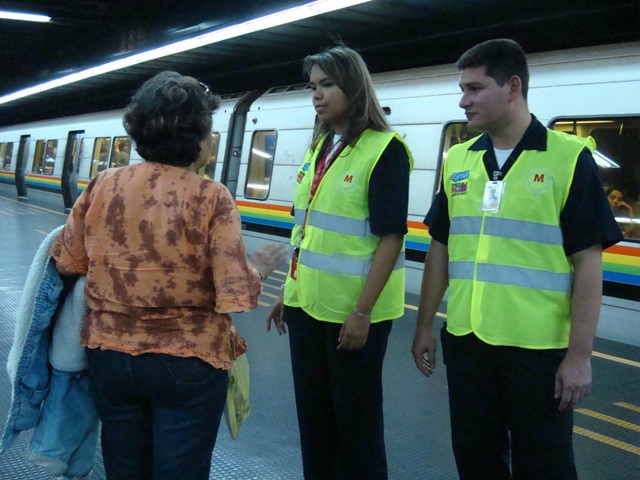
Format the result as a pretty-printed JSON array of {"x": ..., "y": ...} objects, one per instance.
[{"x": 607, "y": 423}]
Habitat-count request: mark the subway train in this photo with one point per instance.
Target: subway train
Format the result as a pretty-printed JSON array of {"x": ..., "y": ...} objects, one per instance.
[{"x": 262, "y": 136}]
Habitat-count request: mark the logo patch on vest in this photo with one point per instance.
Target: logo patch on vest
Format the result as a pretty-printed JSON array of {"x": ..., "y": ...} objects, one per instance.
[
  {"x": 458, "y": 189},
  {"x": 303, "y": 171},
  {"x": 459, "y": 176},
  {"x": 348, "y": 181},
  {"x": 540, "y": 180}
]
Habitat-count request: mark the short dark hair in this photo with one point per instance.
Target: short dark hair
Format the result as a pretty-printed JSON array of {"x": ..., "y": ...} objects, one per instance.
[
  {"x": 501, "y": 58},
  {"x": 168, "y": 117}
]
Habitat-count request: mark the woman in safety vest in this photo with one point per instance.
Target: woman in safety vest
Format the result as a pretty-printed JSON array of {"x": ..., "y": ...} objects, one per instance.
[{"x": 346, "y": 275}]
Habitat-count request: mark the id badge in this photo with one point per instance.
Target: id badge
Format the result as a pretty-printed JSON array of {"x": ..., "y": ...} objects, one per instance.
[{"x": 493, "y": 191}]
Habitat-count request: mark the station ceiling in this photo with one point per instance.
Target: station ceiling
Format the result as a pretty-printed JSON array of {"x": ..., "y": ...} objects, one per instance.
[{"x": 390, "y": 35}]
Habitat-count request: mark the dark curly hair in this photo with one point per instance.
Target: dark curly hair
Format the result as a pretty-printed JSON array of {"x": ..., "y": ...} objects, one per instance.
[{"x": 168, "y": 117}]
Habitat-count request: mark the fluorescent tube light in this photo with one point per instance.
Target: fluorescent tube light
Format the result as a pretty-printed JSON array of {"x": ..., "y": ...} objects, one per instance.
[
  {"x": 260, "y": 153},
  {"x": 604, "y": 161},
  {"x": 308, "y": 10},
  {"x": 27, "y": 17}
]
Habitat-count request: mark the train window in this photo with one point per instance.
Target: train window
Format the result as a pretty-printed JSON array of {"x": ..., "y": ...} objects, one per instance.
[
  {"x": 50, "y": 157},
  {"x": 263, "y": 150},
  {"x": 209, "y": 170},
  {"x": 44, "y": 158},
  {"x": 6, "y": 153},
  {"x": 3, "y": 146},
  {"x": 454, "y": 133},
  {"x": 121, "y": 152},
  {"x": 38, "y": 157},
  {"x": 80, "y": 155},
  {"x": 618, "y": 158},
  {"x": 100, "y": 157}
]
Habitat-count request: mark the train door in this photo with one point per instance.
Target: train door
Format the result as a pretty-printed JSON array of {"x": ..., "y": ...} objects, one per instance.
[
  {"x": 69, "y": 179},
  {"x": 209, "y": 170},
  {"x": 233, "y": 151},
  {"x": 21, "y": 160}
]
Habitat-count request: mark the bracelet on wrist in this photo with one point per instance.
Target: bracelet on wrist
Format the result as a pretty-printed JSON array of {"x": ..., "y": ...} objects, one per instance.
[{"x": 360, "y": 314}]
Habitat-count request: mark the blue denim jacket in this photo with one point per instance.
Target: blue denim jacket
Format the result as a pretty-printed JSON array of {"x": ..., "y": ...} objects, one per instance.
[{"x": 57, "y": 404}]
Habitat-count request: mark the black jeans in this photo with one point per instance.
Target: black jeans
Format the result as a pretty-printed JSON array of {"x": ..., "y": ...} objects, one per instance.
[
  {"x": 505, "y": 422},
  {"x": 160, "y": 414},
  {"x": 339, "y": 399}
]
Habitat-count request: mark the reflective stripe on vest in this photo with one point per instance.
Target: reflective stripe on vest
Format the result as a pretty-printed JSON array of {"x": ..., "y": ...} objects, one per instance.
[
  {"x": 514, "y": 276},
  {"x": 507, "y": 228},
  {"x": 342, "y": 265},
  {"x": 339, "y": 224}
]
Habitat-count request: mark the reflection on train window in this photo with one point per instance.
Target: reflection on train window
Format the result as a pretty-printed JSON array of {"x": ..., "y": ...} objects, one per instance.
[
  {"x": 454, "y": 133},
  {"x": 6, "y": 154},
  {"x": 6, "y": 165},
  {"x": 80, "y": 155},
  {"x": 263, "y": 150},
  {"x": 100, "y": 157},
  {"x": 44, "y": 157},
  {"x": 38, "y": 157},
  {"x": 618, "y": 158},
  {"x": 121, "y": 152},
  {"x": 209, "y": 170}
]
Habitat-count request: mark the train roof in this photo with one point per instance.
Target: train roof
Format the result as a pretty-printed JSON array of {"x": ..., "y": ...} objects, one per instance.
[{"x": 390, "y": 34}]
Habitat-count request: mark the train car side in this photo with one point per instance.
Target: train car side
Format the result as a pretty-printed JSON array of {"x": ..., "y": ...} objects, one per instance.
[{"x": 262, "y": 139}]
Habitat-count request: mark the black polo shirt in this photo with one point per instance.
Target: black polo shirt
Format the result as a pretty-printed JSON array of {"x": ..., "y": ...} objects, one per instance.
[{"x": 586, "y": 218}]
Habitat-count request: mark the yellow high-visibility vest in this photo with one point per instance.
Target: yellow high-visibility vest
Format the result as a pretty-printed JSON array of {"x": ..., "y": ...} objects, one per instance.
[
  {"x": 338, "y": 247},
  {"x": 509, "y": 278}
]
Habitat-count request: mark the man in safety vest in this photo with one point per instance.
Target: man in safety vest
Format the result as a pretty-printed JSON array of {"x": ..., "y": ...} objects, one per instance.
[{"x": 518, "y": 228}]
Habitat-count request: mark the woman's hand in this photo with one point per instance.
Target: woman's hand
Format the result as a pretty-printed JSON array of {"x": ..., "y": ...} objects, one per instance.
[
  {"x": 267, "y": 258},
  {"x": 275, "y": 315},
  {"x": 354, "y": 332}
]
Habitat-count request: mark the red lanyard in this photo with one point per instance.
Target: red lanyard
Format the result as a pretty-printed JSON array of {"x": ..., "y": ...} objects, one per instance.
[{"x": 322, "y": 166}]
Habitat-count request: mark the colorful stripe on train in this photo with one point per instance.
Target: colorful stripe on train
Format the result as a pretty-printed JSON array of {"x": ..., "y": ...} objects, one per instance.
[
  {"x": 40, "y": 182},
  {"x": 621, "y": 263}
]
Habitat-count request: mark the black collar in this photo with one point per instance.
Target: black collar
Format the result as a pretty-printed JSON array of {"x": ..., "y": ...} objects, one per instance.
[{"x": 534, "y": 138}]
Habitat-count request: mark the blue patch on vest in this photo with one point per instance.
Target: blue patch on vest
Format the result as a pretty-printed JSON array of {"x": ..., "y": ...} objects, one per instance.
[{"x": 459, "y": 176}]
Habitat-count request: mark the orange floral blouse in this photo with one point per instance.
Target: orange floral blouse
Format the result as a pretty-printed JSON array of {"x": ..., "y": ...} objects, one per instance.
[{"x": 164, "y": 261}]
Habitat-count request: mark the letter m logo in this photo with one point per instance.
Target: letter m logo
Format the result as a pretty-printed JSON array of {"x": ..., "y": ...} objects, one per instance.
[
  {"x": 538, "y": 177},
  {"x": 348, "y": 178}
]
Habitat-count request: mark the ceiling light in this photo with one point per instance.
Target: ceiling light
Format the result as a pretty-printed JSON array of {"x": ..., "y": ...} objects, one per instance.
[
  {"x": 308, "y": 10},
  {"x": 27, "y": 17}
]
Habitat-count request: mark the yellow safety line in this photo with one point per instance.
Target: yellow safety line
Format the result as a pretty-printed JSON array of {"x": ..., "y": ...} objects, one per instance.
[
  {"x": 32, "y": 206},
  {"x": 413, "y": 307},
  {"x": 270, "y": 295},
  {"x": 263, "y": 304},
  {"x": 608, "y": 440},
  {"x": 628, "y": 406},
  {"x": 41, "y": 232},
  {"x": 595, "y": 354},
  {"x": 607, "y": 418},
  {"x": 616, "y": 359}
]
